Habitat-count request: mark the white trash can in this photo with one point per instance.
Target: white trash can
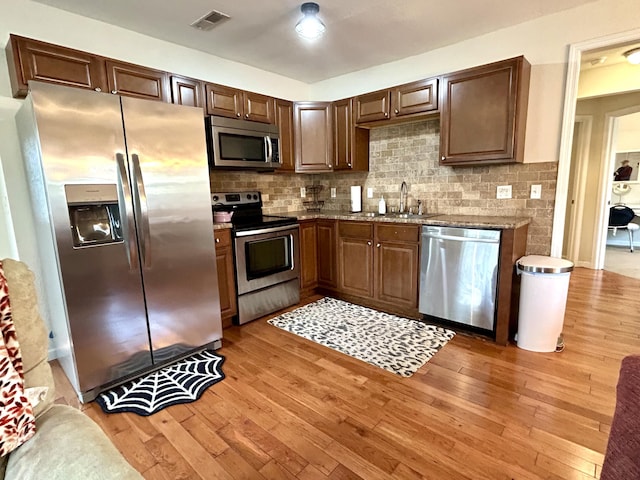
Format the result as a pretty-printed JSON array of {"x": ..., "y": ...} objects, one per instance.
[{"x": 543, "y": 300}]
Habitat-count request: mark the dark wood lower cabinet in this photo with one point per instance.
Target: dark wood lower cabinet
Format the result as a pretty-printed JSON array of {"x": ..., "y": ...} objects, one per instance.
[
  {"x": 327, "y": 261},
  {"x": 397, "y": 273},
  {"x": 226, "y": 277},
  {"x": 308, "y": 257}
]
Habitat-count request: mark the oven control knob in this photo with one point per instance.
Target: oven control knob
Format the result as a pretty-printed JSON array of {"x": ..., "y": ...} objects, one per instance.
[
  {"x": 215, "y": 198},
  {"x": 248, "y": 196},
  {"x": 255, "y": 197}
]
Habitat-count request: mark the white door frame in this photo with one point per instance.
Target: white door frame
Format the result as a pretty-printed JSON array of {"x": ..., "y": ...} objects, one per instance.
[
  {"x": 566, "y": 139},
  {"x": 583, "y": 143}
]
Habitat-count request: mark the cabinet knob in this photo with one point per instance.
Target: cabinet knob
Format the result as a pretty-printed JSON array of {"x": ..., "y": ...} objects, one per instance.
[
  {"x": 98, "y": 89},
  {"x": 377, "y": 245},
  {"x": 114, "y": 91},
  {"x": 443, "y": 157},
  {"x": 246, "y": 115},
  {"x": 396, "y": 111},
  {"x": 217, "y": 240},
  {"x": 349, "y": 165},
  {"x": 386, "y": 114},
  {"x": 238, "y": 114},
  {"x": 369, "y": 243}
]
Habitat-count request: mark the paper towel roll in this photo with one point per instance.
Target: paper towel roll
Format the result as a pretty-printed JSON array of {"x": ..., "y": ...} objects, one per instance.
[{"x": 356, "y": 199}]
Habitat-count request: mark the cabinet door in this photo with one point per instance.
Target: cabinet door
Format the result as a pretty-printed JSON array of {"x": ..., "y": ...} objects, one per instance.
[
  {"x": 136, "y": 81},
  {"x": 186, "y": 91},
  {"x": 372, "y": 106},
  {"x": 259, "y": 108},
  {"x": 397, "y": 274},
  {"x": 226, "y": 276},
  {"x": 308, "y": 255},
  {"x": 313, "y": 136},
  {"x": 342, "y": 124},
  {"x": 356, "y": 266},
  {"x": 416, "y": 97},
  {"x": 284, "y": 120},
  {"x": 327, "y": 261},
  {"x": 33, "y": 60},
  {"x": 483, "y": 113},
  {"x": 355, "y": 258},
  {"x": 223, "y": 101}
]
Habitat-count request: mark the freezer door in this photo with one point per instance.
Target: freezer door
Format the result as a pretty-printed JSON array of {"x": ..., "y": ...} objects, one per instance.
[
  {"x": 87, "y": 201},
  {"x": 458, "y": 275},
  {"x": 170, "y": 177}
]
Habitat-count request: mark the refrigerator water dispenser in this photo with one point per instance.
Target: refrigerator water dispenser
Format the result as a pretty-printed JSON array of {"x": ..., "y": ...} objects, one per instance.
[{"x": 94, "y": 214}]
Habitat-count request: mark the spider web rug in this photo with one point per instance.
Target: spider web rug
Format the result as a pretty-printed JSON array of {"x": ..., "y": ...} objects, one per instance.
[
  {"x": 181, "y": 382},
  {"x": 396, "y": 344}
]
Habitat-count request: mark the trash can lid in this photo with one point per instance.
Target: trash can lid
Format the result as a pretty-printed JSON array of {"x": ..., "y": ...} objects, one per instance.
[{"x": 542, "y": 264}]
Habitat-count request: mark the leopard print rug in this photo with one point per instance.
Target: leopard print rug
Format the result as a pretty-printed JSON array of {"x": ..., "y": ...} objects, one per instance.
[{"x": 396, "y": 344}]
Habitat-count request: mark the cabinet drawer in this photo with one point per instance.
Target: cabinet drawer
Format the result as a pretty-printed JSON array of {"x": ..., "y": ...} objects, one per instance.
[
  {"x": 223, "y": 237},
  {"x": 398, "y": 233},
  {"x": 355, "y": 229}
]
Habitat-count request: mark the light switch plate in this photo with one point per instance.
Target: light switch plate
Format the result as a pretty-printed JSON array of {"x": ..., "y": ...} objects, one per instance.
[
  {"x": 503, "y": 191},
  {"x": 333, "y": 192},
  {"x": 303, "y": 192},
  {"x": 536, "y": 191},
  {"x": 369, "y": 192}
]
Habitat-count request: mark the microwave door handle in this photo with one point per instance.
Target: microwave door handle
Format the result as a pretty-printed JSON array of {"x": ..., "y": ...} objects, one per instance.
[
  {"x": 126, "y": 213},
  {"x": 267, "y": 140},
  {"x": 143, "y": 212}
]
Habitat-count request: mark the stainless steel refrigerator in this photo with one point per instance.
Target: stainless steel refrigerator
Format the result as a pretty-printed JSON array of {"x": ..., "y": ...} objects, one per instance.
[{"x": 121, "y": 202}]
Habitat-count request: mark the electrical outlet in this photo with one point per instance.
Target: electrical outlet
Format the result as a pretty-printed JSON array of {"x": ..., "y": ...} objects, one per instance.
[
  {"x": 536, "y": 191},
  {"x": 333, "y": 192},
  {"x": 303, "y": 192},
  {"x": 503, "y": 191},
  {"x": 369, "y": 192}
]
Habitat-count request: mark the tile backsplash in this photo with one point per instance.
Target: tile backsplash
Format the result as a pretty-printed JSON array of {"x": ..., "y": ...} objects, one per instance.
[{"x": 409, "y": 152}]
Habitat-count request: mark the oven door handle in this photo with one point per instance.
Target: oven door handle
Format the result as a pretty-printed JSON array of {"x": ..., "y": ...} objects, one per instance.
[{"x": 260, "y": 231}]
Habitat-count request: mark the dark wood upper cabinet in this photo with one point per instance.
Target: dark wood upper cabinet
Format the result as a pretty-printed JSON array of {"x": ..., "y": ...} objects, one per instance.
[
  {"x": 413, "y": 99},
  {"x": 483, "y": 113},
  {"x": 33, "y": 60},
  {"x": 350, "y": 143},
  {"x": 284, "y": 121},
  {"x": 312, "y": 126},
  {"x": 187, "y": 91},
  {"x": 234, "y": 103},
  {"x": 372, "y": 106},
  {"x": 259, "y": 108},
  {"x": 416, "y": 97},
  {"x": 136, "y": 81},
  {"x": 223, "y": 101}
]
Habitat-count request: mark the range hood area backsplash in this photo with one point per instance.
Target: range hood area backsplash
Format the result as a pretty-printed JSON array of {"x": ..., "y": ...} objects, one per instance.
[{"x": 409, "y": 152}]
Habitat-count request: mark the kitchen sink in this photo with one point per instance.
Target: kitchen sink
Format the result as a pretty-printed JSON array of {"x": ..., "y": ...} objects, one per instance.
[{"x": 395, "y": 215}]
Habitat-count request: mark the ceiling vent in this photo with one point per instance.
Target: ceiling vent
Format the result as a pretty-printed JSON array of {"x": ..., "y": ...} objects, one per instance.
[{"x": 210, "y": 20}]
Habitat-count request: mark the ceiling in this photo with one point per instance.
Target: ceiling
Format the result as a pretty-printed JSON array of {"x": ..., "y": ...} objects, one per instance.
[
  {"x": 606, "y": 56},
  {"x": 360, "y": 33}
]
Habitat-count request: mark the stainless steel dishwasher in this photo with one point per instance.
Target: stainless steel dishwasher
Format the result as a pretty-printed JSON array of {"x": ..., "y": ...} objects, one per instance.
[{"x": 458, "y": 275}]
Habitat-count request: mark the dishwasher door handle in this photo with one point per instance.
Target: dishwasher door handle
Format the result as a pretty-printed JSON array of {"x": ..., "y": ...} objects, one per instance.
[{"x": 461, "y": 239}]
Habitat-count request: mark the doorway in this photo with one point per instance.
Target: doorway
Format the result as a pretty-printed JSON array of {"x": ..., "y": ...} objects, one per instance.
[{"x": 574, "y": 195}]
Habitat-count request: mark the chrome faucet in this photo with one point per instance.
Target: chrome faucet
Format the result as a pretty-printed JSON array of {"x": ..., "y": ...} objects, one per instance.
[{"x": 403, "y": 197}]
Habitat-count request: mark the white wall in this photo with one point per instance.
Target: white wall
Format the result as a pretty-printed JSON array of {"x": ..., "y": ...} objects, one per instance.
[
  {"x": 617, "y": 78},
  {"x": 628, "y": 134}
]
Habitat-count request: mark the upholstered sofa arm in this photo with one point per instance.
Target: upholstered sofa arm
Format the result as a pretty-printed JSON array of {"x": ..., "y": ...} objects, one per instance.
[{"x": 622, "y": 459}]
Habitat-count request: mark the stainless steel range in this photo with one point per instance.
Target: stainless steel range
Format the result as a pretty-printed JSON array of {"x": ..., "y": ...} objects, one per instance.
[{"x": 266, "y": 255}]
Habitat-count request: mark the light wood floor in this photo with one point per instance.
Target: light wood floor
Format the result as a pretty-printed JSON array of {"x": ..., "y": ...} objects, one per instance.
[{"x": 292, "y": 409}]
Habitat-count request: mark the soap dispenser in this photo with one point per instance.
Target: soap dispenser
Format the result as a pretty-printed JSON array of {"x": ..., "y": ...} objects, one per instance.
[{"x": 382, "y": 206}]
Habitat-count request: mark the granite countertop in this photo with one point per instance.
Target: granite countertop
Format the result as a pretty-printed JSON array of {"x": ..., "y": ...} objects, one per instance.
[
  {"x": 222, "y": 226},
  {"x": 483, "y": 221}
]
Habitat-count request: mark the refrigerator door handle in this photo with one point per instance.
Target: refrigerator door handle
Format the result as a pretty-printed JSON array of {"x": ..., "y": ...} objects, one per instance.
[
  {"x": 143, "y": 213},
  {"x": 124, "y": 192}
]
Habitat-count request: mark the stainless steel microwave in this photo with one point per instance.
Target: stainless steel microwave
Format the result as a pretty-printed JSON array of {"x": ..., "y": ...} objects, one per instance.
[{"x": 235, "y": 144}]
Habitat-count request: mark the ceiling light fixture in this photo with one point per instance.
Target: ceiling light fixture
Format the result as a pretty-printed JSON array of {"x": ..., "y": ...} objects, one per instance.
[
  {"x": 310, "y": 26},
  {"x": 633, "y": 56}
]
